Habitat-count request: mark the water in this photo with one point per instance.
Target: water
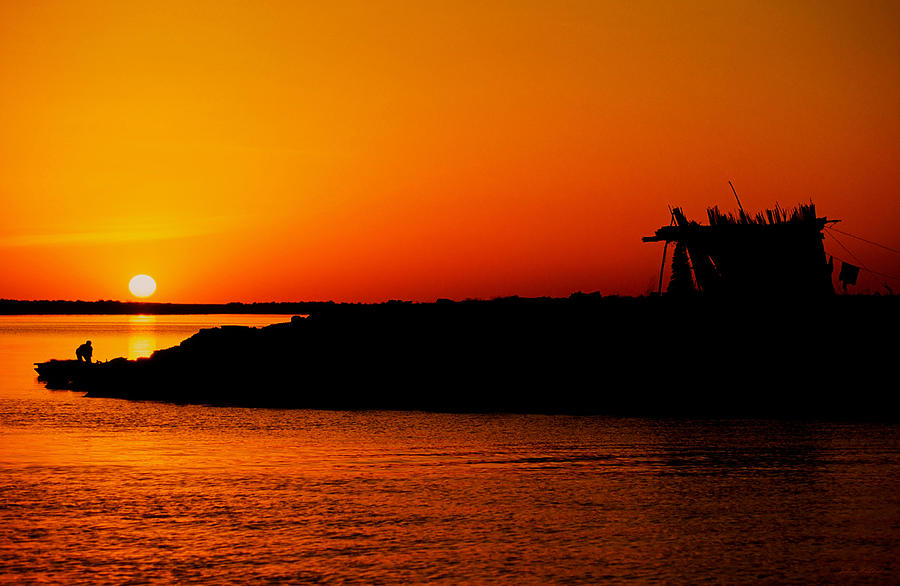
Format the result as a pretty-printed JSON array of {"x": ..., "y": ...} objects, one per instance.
[{"x": 109, "y": 491}]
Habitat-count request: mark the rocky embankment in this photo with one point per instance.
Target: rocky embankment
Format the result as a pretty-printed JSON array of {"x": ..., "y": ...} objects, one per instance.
[{"x": 583, "y": 354}]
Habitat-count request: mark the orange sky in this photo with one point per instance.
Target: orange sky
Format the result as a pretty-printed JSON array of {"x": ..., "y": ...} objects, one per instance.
[{"x": 362, "y": 151}]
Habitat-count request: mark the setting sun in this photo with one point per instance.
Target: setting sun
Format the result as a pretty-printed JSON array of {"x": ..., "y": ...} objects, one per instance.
[{"x": 142, "y": 286}]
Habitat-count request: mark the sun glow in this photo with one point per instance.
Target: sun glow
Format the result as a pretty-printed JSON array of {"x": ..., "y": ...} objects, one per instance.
[{"x": 142, "y": 285}]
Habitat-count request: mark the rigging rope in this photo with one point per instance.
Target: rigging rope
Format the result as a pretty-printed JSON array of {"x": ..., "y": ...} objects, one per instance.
[
  {"x": 863, "y": 267},
  {"x": 850, "y": 252},
  {"x": 863, "y": 239}
]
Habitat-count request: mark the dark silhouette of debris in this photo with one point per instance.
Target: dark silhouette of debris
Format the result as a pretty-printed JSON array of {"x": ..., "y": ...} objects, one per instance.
[
  {"x": 848, "y": 275},
  {"x": 776, "y": 253},
  {"x": 681, "y": 282}
]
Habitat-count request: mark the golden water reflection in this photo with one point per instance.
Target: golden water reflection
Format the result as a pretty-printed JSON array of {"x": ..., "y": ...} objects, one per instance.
[{"x": 141, "y": 336}]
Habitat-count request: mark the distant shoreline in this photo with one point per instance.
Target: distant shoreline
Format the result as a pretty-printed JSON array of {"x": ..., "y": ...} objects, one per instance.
[
  {"x": 108, "y": 307},
  {"x": 16, "y": 307},
  {"x": 583, "y": 354}
]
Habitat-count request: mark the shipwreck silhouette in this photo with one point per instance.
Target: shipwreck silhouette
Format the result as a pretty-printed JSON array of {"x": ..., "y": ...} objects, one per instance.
[{"x": 777, "y": 252}]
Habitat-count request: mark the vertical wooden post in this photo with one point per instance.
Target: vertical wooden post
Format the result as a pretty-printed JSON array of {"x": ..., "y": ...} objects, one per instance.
[{"x": 662, "y": 267}]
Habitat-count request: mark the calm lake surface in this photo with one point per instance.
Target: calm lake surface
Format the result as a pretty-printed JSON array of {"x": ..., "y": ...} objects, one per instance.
[{"x": 111, "y": 491}]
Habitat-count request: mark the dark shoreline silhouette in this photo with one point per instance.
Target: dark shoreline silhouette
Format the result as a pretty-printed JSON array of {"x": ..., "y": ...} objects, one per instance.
[
  {"x": 108, "y": 307},
  {"x": 788, "y": 357}
]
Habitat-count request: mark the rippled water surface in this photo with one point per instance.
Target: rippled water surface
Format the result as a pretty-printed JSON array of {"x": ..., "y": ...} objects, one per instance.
[{"x": 103, "y": 490}]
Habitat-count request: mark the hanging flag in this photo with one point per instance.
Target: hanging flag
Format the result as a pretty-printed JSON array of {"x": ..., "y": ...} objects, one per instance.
[{"x": 848, "y": 274}]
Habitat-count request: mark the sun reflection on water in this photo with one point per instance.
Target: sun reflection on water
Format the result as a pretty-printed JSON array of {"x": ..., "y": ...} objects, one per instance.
[{"x": 141, "y": 336}]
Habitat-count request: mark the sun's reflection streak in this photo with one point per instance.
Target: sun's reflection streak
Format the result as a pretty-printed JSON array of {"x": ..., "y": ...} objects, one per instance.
[{"x": 141, "y": 336}]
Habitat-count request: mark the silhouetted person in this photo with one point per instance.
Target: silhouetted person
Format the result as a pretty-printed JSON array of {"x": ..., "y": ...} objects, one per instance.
[{"x": 84, "y": 352}]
